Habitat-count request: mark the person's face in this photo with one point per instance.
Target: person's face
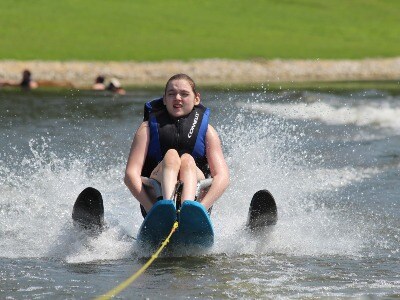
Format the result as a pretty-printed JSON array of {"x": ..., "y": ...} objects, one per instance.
[{"x": 179, "y": 98}]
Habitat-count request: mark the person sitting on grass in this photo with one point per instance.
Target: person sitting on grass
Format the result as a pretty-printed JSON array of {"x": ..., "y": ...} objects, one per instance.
[
  {"x": 99, "y": 84},
  {"x": 26, "y": 82},
  {"x": 115, "y": 87}
]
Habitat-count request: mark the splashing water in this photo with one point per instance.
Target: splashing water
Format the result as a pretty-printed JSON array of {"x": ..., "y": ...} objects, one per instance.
[
  {"x": 376, "y": 114},
  {"x": 263, "y": 152},
  {"x": 267, "y": 152}
]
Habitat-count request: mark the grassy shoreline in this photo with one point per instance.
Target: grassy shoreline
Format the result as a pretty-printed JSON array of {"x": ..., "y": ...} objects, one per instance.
[
  {"x": 156, "y": 30},
  {"x": 225, "y": 44}
]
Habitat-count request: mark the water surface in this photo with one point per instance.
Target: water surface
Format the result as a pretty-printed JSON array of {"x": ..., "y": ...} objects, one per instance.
[{"x": 331, "y": 160}]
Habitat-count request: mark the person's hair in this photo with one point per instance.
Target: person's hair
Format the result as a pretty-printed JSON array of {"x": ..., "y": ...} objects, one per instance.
[
  {"x": 26, "y": 75},
  {"x": 100, "y": 79},
  {"x": 26, "y": 79},
  {"x": 179, "y": 77}
]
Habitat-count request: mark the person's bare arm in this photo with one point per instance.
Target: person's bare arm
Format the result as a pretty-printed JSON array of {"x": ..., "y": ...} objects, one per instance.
[
  {"x": 218, "y": 167},
  {"x": 135, "y": 163}
]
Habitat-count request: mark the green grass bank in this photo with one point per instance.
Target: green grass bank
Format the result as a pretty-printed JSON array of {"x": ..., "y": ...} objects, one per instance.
[{"x": 156, "y": 30}]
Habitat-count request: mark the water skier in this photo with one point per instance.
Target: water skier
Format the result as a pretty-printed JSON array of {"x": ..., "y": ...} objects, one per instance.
[{"x": 175, "y": 142}]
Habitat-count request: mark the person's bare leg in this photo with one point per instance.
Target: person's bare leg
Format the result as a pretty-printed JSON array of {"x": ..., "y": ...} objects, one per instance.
[
  {"x": 188, "y": 175},
  {"x": 170, "y": 169}
]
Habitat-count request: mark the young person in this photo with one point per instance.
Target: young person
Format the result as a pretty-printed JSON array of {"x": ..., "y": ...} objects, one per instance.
[
  {"x": 175, "y": 142},
  {"x": 115, "y": 87},
  {"x": 99, "y": 83},
  {"x": 26, "y": 82}
]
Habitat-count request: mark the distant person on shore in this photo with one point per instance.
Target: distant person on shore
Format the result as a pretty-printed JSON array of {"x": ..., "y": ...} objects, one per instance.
[
  {"x": 99, "y": 84},
  {"x": 26, "y": 83},
  {"x": 115, "y": 87}
]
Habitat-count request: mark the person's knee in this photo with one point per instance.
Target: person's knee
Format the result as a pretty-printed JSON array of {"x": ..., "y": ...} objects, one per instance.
[
  {"x": 172, "y": 159},
  {"x": 187, "y": 162}
]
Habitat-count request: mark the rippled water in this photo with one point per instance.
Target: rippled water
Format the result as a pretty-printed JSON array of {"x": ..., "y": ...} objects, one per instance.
[{"x": 332, "y": 161}]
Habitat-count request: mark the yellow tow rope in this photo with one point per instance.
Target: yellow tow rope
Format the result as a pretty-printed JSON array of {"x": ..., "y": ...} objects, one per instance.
[{"x": 115, "y": 291}]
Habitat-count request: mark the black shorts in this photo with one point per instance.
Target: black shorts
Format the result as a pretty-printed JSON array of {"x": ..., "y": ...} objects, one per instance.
[{"x": 144, "y": 213}]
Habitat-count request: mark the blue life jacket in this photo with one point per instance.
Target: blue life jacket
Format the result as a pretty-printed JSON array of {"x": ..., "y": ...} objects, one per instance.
[{"x": 186, "y": 135}]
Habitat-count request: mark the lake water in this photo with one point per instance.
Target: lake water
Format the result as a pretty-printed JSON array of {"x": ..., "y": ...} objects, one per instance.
[{"x": 331, "y": 160}]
